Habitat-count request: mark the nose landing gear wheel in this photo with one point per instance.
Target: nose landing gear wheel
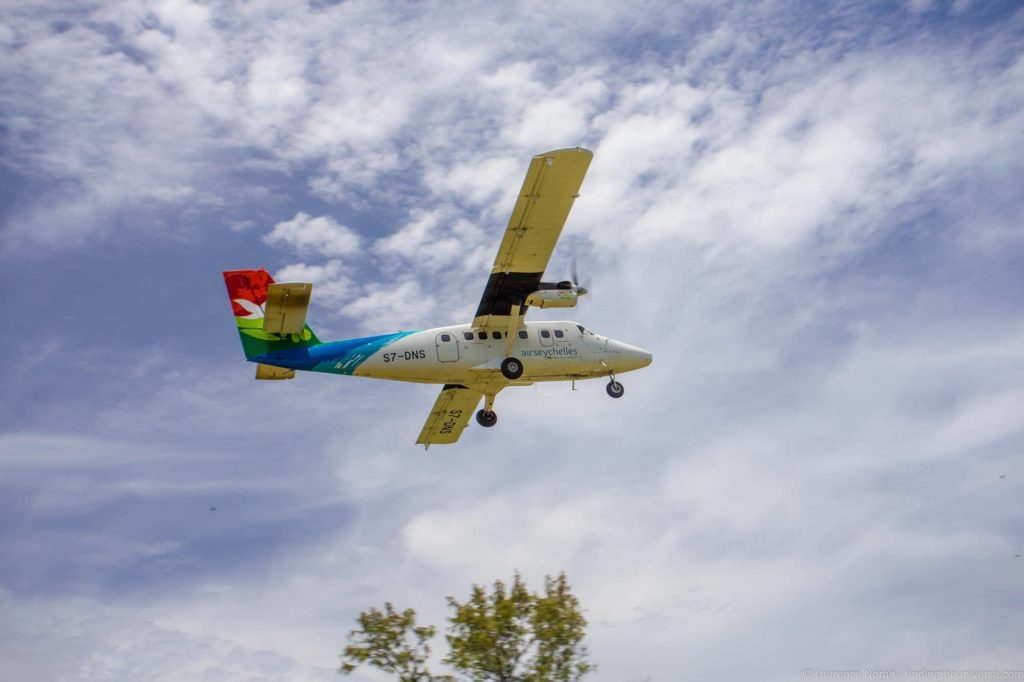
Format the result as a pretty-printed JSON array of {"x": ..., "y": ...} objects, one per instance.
[
  {"x": 615, "y": 389},
  {"x": 486, "y": 419},
  {"x": 511, "y": 368}
]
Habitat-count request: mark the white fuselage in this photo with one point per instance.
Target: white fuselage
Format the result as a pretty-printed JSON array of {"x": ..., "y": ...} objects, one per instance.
[{"x": 460, "y": 354}]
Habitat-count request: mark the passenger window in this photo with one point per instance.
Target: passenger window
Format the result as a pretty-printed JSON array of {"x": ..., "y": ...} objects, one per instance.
[
  {"x": 481, "y": 335},
  {"x": 558, "y": 334},
  {"x": 545, "y": 334},
  {"x": 523, "y": 335},
  {"x": 495, "y": 335},
  {"x": 445, "y": 338},
  {"x": 467, "y": 335}
]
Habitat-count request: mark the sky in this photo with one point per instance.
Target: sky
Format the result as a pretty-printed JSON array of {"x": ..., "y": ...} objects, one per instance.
[{"x": 811, "y": 214}]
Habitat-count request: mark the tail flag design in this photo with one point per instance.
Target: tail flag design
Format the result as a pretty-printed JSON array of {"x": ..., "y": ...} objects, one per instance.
[{"x": 247, "y": 290}]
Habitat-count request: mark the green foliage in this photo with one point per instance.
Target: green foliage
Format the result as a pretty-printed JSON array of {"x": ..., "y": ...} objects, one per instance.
[
  {"x": 506, "y": 635},
  {"x": 392, "y": 642},
  {"x": 512, "y": 635}
]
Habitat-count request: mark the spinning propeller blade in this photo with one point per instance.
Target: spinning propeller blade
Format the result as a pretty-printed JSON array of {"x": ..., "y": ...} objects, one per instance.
[{"x": 580, "y": 290}]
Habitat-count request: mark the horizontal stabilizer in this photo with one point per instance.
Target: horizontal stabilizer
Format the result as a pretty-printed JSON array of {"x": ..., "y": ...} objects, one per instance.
[
  {"x": 270, "y": 372},
  {"x": 287, "y": 303}
]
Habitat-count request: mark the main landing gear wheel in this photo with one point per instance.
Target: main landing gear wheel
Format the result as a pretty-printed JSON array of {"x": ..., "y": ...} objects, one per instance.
[
  {"x": 511, "y": 368},
  {"x": 615, "y": 389},
  {"x": 486, "y": 418}
]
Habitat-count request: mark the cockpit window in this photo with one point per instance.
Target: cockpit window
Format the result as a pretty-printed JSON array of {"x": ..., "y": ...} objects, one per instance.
[
  {"x": 559, "y": 334},
  {"x": 582, "y": 330}
]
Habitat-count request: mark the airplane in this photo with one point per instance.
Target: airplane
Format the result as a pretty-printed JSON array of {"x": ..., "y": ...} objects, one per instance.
[{"x": 471, "y": 361}]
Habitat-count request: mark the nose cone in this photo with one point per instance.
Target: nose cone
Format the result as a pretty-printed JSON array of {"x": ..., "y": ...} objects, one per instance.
[
  {"x": 642, "y": 358},
  {"x": 632, "y": 357}
]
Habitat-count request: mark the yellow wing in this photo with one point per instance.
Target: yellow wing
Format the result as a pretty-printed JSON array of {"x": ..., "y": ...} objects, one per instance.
[
  {"x": 449, "y": 416},
  {"x": 551, "y": 186}
]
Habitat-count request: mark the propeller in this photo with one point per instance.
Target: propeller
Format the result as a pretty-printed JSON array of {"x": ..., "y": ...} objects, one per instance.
[{"x": 580, "y": 290}]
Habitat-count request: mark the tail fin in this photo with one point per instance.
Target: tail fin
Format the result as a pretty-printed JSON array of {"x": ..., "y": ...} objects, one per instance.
[{"x": 247, "y": 290}]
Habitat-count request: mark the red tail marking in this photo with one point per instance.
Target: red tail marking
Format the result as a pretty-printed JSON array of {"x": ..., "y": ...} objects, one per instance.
[{"x": 250, "y": 285}]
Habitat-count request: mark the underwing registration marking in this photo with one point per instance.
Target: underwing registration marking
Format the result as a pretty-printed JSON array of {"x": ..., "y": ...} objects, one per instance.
[{"x": 451, "y": 421}]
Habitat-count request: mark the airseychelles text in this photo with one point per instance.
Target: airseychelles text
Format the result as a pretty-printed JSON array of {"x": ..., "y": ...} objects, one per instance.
[{"x": 549, "y": 353}]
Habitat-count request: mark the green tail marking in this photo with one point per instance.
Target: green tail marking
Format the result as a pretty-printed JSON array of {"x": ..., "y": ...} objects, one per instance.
[{"x": 256, "y": 342}]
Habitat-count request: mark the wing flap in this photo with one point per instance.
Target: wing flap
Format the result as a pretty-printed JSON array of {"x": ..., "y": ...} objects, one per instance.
[
  {"x": 449, "y": 416},
  {"x": 287, "y": 304}
]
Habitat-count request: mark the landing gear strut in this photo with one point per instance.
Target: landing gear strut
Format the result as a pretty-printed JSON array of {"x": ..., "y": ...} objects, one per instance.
[
  {"x": 487, "y": 417},
  {"x": 615, "y": 389}
]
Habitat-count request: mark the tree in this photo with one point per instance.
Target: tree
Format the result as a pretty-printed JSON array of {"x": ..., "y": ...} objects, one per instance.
[
  {"x": 512, "y": 635},
  {"x": 507, "y": 635},
  {"x": 392, "y": 642}
]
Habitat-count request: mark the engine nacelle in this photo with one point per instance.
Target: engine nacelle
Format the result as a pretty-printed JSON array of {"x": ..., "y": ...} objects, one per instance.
[{"x": 553, "y": 298}]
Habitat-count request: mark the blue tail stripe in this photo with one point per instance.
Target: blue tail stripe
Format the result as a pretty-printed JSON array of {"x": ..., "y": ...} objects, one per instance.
[{"x": 337, "y": 357}]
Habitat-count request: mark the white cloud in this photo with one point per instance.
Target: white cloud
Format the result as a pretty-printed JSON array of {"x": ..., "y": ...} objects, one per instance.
[
  {"x": 428, "y": 240},
  {"x": 848, "y": 147},
  {"x": 85, "y": 639},
  {"x": 331, "y": 282},
  {"x": 320, "y": 235},
  {"x": 478, "y": 180},
  {"x": 391, "y": 306},
  {"x": 277, "y": 94},
  {"x": 488, "y": 536}
]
